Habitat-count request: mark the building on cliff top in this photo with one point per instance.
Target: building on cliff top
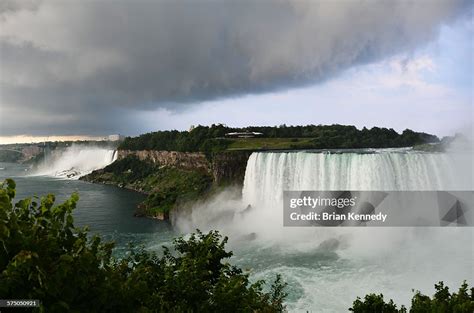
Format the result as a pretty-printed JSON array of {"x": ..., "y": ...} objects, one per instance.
[{"x": 243, "y": 134}]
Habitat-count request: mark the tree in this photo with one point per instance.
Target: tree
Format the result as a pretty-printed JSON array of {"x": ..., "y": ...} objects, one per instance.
[
  {"x": 442, "y": 302},
  {"x": 374, "y": 303},
  {"x": 44, "y": 256},
  {"x": 209, "y": 139}
]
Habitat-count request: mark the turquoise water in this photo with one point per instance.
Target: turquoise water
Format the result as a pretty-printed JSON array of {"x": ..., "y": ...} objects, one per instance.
[
  {"x": 326, "y": 269},
  {"x": 107, "y": 210}
]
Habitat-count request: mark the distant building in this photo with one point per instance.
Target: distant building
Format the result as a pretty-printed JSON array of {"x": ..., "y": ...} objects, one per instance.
[
  {"x": 243, "y": 134},
  {"x": 115, "y": 137}
]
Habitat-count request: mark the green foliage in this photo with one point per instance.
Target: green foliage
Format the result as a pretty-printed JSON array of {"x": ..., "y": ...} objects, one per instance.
[
  {"x": 213, "y": 145},
  {"x": 44, "y": 256},
  {"x": 212, "y": 139},
  {"x": 201, "y": 138},
  {"x": 129, "y": 169},
  {"x": 165, "y": 186},
  {"x": 270, "y": 143},
  {"x": 171, "y": 185},
  {"x": 373, "y": 303},
  {"x": 339, "y": 136},
  {"x": 428, "y": 147},
  {"x": 444, "y": 144},
  {"x": 442, "y": 302},
  {"x": 198, "y": 280}
]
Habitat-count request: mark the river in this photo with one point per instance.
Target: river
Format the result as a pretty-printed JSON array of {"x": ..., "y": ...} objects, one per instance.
[
  {"x": 326, "y": 268},
  {"x": 107, "y": 210}
]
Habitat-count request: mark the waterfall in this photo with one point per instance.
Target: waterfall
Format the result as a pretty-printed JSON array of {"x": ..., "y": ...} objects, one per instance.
[
  {"x": 75, "y": 161},
  {"x": 268, "y": 174},
  {"x": 319, "y": 262}
]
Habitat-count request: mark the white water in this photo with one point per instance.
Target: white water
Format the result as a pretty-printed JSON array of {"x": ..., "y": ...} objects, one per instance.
[
  {"x": 370, "y": 259},
  {"x": 328, "y": 267},
  {"x": 268, "y": 174},
  {"x": 75, "y": 161}
]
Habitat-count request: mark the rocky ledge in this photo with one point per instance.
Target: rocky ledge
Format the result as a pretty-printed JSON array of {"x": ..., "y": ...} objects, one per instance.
[{"x": 170, "y": 178}]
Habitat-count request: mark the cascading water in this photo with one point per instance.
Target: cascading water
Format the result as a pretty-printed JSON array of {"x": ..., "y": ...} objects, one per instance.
[
  {"x": 268, "y": 174},
  {"x": 76, "y": 161},
  {"x": 328, "y": 267}
]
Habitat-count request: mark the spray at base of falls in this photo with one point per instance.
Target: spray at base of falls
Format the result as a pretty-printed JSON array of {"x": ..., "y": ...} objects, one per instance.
[
  {"x": 328, "y": 267},
  {"x": 75, "y": 161},
  {"x": 268, "y": 174}
]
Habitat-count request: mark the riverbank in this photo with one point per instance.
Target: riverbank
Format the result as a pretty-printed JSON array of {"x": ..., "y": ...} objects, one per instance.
[{"x": 171, "y": 179}]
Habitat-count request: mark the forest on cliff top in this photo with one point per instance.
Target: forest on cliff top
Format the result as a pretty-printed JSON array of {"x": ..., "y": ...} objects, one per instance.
[{"x": 213, "y": 138}]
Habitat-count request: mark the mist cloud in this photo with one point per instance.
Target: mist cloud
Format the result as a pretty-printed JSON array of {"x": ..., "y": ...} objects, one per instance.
[{"x": 83, "y": 64}]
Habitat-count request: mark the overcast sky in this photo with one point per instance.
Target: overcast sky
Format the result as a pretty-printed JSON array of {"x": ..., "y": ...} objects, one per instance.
[{"x": 102, "y": 67}]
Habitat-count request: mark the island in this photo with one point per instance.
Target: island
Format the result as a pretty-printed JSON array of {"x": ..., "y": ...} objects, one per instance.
[{"x": 176, "y": 168}]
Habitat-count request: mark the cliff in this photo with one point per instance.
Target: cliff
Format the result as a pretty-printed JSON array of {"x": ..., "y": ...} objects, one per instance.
[
  {"x": 182, "y": 160},
  {"x": 20, "y": 153},
  {"x": 171, "y": 179},
  {"x": 229, "y": 167},
  {"x": 225, "y": 167}
]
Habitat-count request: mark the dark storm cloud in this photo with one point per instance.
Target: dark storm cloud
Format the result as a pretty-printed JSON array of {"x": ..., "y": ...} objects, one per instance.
[
  {"x": 72, "y": 65},
  {"x": 13, "y": 6}
]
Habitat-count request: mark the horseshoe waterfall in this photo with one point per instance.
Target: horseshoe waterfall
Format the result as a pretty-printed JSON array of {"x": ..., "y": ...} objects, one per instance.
[{"x": 268, "y": 174}]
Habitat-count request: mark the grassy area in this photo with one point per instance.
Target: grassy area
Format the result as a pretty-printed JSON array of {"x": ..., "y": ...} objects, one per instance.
[
  {"x": 165, "y": 186},
  {"x": 430, "y": 147},
  {"x": 171, "y": 185},
  {"x": 270, "y": 143}
]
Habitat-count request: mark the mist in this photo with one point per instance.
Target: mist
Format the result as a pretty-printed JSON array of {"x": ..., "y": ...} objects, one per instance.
[
  {"x": 328, "y": 267},
  {"x": 74, "y": 161}
]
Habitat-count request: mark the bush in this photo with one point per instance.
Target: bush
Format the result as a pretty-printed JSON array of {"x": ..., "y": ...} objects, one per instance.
[
  {"x": 130, "y": 168},
  {"x": 442, "y": 302},
  {"x": 44, "y": 256},
  {"x": 373, "y": 303},
  {"x": 168, "y": 185}
]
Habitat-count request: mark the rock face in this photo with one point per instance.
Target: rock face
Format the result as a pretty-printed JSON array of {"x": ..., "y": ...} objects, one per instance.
[
  {"x": 229, "y": 167},
  {"x": 176, "y": 178},
  {"x": 225, "y": 167},
  {"x": 20, "y": 153},
  {"x": 184, "y": 160},
  {"x": 31, "y": 151}
]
